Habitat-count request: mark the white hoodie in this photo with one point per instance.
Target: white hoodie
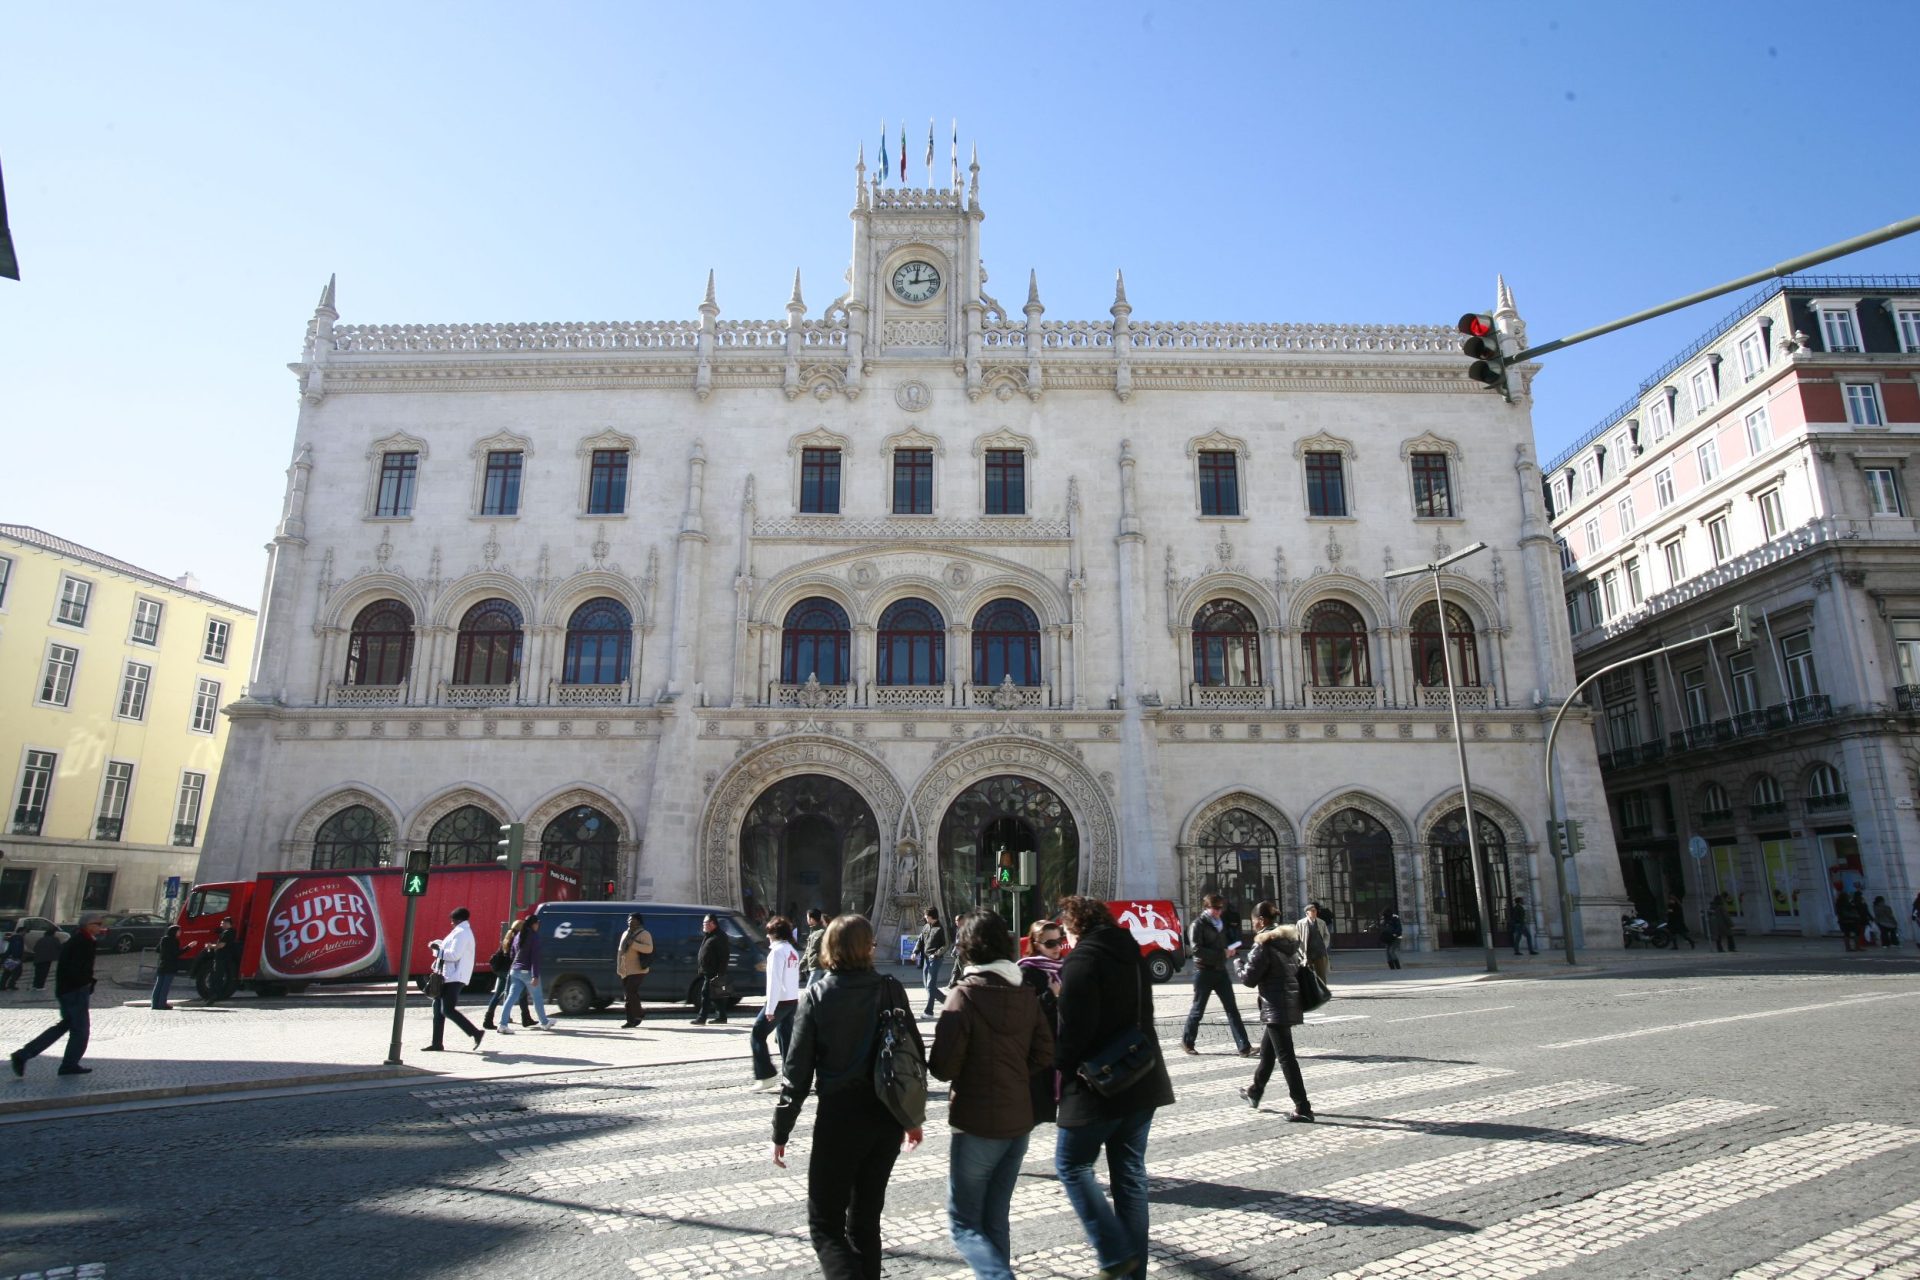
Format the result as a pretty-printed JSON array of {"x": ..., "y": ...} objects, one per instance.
[{"x": 783, "y": 974}]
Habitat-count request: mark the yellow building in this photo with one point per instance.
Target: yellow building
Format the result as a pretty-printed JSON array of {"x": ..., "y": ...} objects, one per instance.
[{"x": 111, "y": 684}]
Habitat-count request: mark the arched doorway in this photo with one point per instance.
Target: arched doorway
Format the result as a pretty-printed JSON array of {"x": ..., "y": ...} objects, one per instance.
[
  {"x": 1240, "y": 860},
  {"x": 1006, "y": 815},
  {"x": 809, "y": 841},
  {"x": 1456, "y": 914},
  {"x": 1351, "y": 874},
  {"x": 587, "y": 842}
]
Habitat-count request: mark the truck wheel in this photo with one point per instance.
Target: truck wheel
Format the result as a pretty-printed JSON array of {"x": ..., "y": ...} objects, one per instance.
[
  {"x": 215, "y": 985},
  {"x": 1160, "y": 968},
  {"x": 574, "y": 998},
  {"x": 269, "y": 990}
]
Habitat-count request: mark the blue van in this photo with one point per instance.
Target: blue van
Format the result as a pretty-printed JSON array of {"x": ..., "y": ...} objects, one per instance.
[{"x": 578, "y": 940}]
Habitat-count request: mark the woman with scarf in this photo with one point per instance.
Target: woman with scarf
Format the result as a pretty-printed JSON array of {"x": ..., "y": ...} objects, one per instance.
[{"x": 1040, "y": 971}]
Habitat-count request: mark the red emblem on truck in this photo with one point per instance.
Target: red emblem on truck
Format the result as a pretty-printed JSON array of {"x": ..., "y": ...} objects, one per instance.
[{"x": 322, "y": 927}]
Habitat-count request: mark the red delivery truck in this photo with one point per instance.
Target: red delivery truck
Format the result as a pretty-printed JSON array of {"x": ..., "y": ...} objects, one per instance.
[{"x": 302, "y": 927}]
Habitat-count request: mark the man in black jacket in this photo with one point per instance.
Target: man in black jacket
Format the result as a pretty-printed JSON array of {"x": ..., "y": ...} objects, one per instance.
[
  {"x": 927, "y": 950},
  {"x": 1208, "y": 945},
  {"x": 715, "y": 955},
  {"x": 73, "y": 987},
  {"x": 165, "y": 965}
]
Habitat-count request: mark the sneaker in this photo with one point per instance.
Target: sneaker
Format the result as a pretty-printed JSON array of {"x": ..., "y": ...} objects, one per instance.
[
  {"x": 549, "y": 1025},
  {"x": 76, "y": 1071},
  {"x": 1299, "y": 1117},
  {"x": 505, "y": 1028}
]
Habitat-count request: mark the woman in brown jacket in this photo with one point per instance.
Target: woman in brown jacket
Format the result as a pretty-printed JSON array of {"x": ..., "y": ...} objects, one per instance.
[{"x": 989, "y": 1042}]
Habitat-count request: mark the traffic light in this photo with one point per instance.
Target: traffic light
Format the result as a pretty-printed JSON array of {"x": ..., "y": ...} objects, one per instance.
[
  {"x": 414, "y": 883},
  {"x": 1742, "y": 626},
  {"x": 1482, "y": 346},
  {"x": 1003, "y": 876},
  {"x": 512, "y": 844},
  {"x": 609, "y": 888},
  {"x": 1574, "y": 843}
]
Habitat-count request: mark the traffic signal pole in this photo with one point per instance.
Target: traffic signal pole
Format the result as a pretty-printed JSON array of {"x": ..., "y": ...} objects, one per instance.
[
  {"x": 400, "y": 983},
  {"x": 1742, "y": 628}
]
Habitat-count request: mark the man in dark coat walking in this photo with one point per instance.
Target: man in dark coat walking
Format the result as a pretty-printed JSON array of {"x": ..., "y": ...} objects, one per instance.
[
  {"x": 1208, "y": 945},
  {"x": 46, "y": 950},
  {"x": 715, "y": 954},
  {"x": 73, "y": 987}
]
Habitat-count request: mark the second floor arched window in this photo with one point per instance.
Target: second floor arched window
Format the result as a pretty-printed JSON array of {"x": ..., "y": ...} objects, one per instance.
[
  {"x": 488, "y": 649},
  {"x": 380, "y": 646},
  {"x": 1429, "y": 658},
  {"x": 814, "y": 641},
  {"x": 1006, "y": 643},
  {"x": 599, "y": 643},
  {"x": 912, "y": 643},
  {"x": 1226, "y": 645},
  {"x": 1334, "y": 644}
]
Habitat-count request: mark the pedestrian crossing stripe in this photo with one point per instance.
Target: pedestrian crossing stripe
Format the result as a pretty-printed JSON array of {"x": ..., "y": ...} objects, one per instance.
[{"x": 1888, "y": 1245}]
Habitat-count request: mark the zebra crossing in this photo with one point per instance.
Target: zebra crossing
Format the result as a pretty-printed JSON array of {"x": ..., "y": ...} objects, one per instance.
[{"x": 1418, "y": 1168}]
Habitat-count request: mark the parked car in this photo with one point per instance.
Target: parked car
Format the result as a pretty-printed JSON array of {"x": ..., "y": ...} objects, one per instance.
[
  {"x": 33, "y": 927},
  {"x": 577, "y": 941},
  {"x": 130, "y": 931}
]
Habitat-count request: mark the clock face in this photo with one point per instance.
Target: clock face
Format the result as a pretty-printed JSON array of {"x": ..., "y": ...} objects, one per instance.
[{"x": 916, "y": 281}]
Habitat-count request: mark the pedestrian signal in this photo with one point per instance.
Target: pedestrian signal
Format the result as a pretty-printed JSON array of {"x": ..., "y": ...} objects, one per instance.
[{"x": 414, "y": 883}]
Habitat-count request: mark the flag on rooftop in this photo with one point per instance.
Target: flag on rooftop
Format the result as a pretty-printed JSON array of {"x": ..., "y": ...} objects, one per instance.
[{"x": 883, "y": 150}]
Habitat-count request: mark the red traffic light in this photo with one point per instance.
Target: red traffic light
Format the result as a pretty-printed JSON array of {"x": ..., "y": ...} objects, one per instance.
[{"x": 1475, "y": 324}]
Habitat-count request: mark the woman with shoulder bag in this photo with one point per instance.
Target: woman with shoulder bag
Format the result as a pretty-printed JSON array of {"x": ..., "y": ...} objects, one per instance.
[
  {"x": 991, "y": 1039},
  {"x": 502, "y": 965},
  {"x": 856, "y": 1138},
  {"x": 1106, "y": 1008},
  {"x": 1274, "y": 968}
]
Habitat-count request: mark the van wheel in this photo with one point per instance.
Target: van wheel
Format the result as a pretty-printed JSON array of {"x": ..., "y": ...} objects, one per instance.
[
  {"x": 574, "y": 998},
  {"x": 1160, "y": 968}
]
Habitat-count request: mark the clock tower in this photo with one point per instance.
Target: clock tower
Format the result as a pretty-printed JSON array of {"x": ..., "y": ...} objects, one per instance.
[{"x": 914, "y": 288}]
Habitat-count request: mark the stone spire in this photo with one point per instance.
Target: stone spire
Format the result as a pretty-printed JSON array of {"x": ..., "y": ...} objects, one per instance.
[
  {"x": 860, "y": 178},
  {"x": 796, "y": 300},
  {"x": 326, "y": 300},
  {"x": 1503, "y": 296},
  {"x": 1121, "y": 307},
  {"x": 1033, "y": 292},
  {"x": 973, "y": 182},
  {"x": 708, "y": 307}
]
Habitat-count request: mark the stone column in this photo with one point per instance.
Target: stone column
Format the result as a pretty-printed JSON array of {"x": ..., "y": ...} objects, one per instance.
[
  {"x": 860, "y": 668},
  {"x": 959, "y": 662},
  {"x": 1050, "y": 658}
]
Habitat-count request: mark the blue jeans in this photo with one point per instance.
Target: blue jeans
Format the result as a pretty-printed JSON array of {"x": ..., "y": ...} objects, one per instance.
[
  {"x": 780, "y": 1024},
  {"x": 162, "y": 986},
  {"x": 520, "y": 984},
  {"x": 1525, "y": 931},
  {"x": 930, "y": 970},
  {"x": 75, "y": 1024},
  {"x": 981, "y": 1173},
  {"x": 1118, "y": 1231}
]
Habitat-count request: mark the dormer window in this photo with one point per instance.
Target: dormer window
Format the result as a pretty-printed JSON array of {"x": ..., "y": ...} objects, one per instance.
[{"x": 1839, "y": 330}]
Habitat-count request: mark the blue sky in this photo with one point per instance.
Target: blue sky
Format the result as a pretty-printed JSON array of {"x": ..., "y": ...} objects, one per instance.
[{"x": 182, "y": 179}]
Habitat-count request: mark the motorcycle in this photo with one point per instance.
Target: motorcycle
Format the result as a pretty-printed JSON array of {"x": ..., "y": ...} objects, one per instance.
[{"x": 1638, "y": 933}]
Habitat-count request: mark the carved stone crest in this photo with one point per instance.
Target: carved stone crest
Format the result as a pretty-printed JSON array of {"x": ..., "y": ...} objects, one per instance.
[{"x": 912, "y": 396}]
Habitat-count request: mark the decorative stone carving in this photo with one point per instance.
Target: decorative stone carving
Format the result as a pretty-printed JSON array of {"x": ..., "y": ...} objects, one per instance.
[{"x": 913, "y": 396}]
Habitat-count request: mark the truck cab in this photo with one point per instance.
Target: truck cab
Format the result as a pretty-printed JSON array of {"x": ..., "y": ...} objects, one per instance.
[{"x": 206, "y": 906}]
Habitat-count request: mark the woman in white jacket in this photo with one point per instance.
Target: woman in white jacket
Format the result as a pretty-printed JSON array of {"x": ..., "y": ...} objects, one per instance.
[{"x": 783, "y": 997}]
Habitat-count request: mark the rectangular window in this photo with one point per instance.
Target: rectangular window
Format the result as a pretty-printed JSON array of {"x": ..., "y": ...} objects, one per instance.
[
  {"x": 1623, "y": 725},
  {"x": 1663, "y": 488},
  {"x": 1589, "y": 476},
  {"x": 1906, "y": 649},
  {"x": 1432, "y": 493},
  {"x": 74, "y": 596},
  {"x": 1566, "y": 554},
  {"x": 1722, "y": 539},
  {"x": 1594, "y": 616},
  {"x": 16, "y": 886},
  {"x": 214, "y": 647},
  {"x": 1636, "y": 589},
  {"x": 1742, "y": 683},
  {"x": 607, "y": 483},
  {"x": 1708, "y": 456},
  {"x": 820, "y": 482},
  {"x": 1773, "y": 521},
  {"x": 1326, "y": 485},
  {"x": 501, "y": 496},
  {"x": 206, "y": 706},
  {"x": 1573, "y": 614},
  {"x": 1753, "y": 357},
  {"x": 1676, "y": 561},
  {"x": 1623, "y": 510},
  {"x": 1591, "y": 531},
  {"x": 913, "y": 482},
  {"x": 397, "y": 472},
  {"x": 1759, "y": 431},
  {"x": 1659, "y": 417},
  {"x": 1693, "y": 690},
  {"x": 6, "y": 576},
  {"x": 30, "y": 802},
  {"x": 1610, "y": 589},
  {"x": 1007, "y": 482},
  {"x": 1883, "y": 491},
  {"x": 1836, "y": 329},
  {"x": 1863, "y": 404},
  {"x": 1705, "y": 393},
  {"x": 56, "y": 681},
  {"x": 1907, "y": 321},
  {"x": 1796, "y": 655},
  {"x": 186, "y": 811},
  {"x": 133, "y": 691},
  {"x": 146, "y": 621},
  {"x": 96, "y": 894},
  {"x": 113, "y": 800},
  {"x": 1559, "y": 496}
]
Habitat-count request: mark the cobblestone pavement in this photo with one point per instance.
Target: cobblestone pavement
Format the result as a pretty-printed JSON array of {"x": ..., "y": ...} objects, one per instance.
[{"x": 1690, "y": 1120}]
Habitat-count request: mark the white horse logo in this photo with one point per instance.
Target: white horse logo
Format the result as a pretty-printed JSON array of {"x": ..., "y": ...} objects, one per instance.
[{"x": 1149, "y": 927}]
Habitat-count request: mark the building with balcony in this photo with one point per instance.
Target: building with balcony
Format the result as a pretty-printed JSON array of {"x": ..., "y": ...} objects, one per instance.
[
  {"x": 839, "y": 609},
  {"x": 114, "y": 677},
  {"x": 1765, "y": 466}
]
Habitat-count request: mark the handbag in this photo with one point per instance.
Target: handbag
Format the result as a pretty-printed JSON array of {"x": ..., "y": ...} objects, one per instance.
[
  {"x": 720, "y": 987},
  {"x": 500, "y": 961},
  {"x": 1313, "y": 992},
  {"x": 435, "y": 982},
  {"x": 1123, "y": 1063}
]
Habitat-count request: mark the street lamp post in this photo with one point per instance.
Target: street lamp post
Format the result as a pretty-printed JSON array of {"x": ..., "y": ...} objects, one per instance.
[{"x": 1460, "y": 743}]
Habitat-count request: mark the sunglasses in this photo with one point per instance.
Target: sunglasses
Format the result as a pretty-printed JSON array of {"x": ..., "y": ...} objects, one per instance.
[{"x": 1051, "y": 942}]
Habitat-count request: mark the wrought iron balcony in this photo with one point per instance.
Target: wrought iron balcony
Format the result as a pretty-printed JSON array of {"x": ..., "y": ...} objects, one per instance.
[
  {"x": 106, "y": 828},
  {"x": 26, "y": 821},
  {"x": 1827, "y": 804},
  {"x": 1907, "y": 697},
  {"x": 1714, "y": 818},
  {"x": 185, "y": 833},
  {"x": 1776, "y": 809},
  {"x": 1810, "y": 709},
  {"x": 1636, "y": 831}
]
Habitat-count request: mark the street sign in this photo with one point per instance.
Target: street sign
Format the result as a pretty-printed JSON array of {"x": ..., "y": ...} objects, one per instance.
[
  {"x": 173, "y": 887},
  {"x": 1698, "y": 848},
  {"x": 414, "y": 883}
]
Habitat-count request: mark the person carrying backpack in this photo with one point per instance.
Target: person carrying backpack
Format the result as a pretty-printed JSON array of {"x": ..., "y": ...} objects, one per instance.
[{"x": 838, "y": 1051}]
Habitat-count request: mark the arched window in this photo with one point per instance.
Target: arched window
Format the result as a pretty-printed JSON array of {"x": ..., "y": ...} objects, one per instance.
[
  {"x": 488, "y": 650},
  {"x": 1456, "y": 908},
  {"x": 814, "y": 642},
  {"x": 1226, "y": 645},
  {"x": 587, "y": 842},
  {"x": 1006, "y": 642},
  {"x": 912, "y": 644},
  {"x": 354, "y": 837},
  {"x": 1334, "y": 643},
  {"x": 380, "y": 647},
  {"x": 1350, "y": 873},
  {"x": 1240, "y": 859},
  {"x": 468, "y": 834},
  {"x": 599, "y": 643},
  {"x": 1824, "y": 783},
  {"x": 1766, "y": 791},
  {"x": 1713, "y": 800},
  {"x": 1429, "y": 660}
]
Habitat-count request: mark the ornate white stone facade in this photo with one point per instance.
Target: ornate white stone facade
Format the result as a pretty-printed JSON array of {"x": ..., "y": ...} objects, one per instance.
[{"x": 1138, "y": 756}]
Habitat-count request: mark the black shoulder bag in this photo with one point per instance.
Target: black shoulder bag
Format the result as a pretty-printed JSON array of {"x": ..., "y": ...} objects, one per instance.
[{"x": 1125, "y": 1061}]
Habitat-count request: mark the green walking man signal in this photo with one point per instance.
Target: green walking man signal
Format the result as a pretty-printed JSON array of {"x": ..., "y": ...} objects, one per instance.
[{"x": 414, "y": 883}]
